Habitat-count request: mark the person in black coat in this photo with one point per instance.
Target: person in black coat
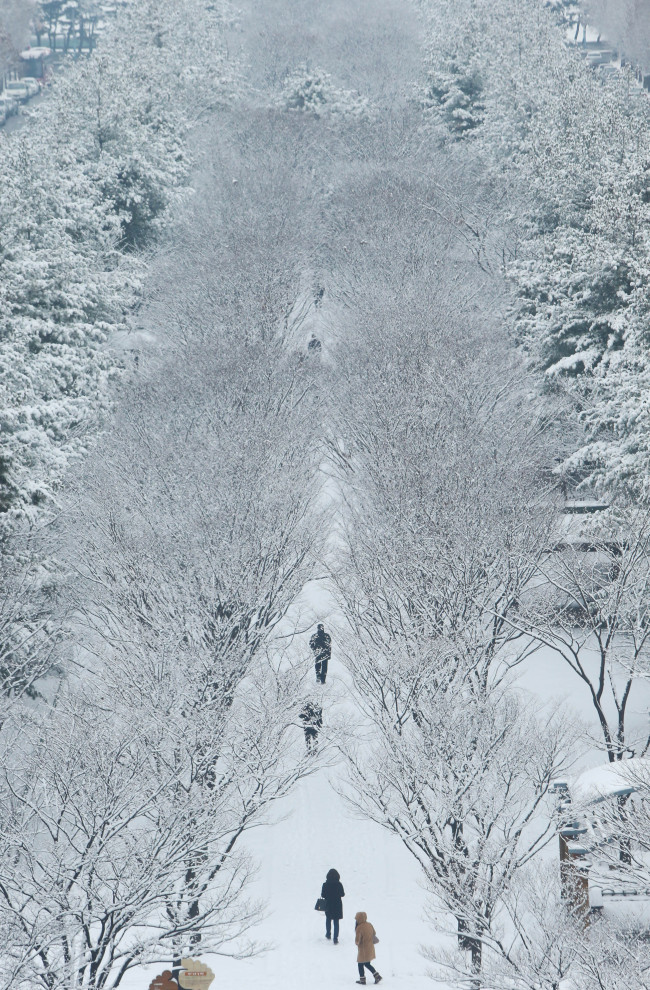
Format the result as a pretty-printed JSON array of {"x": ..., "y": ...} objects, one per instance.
[
  {"x": 312, "y": 718},
  {"x": 314, "y": 346},
  {"x": 332, "y": 893},
  {"x": 321, "y": 647}
]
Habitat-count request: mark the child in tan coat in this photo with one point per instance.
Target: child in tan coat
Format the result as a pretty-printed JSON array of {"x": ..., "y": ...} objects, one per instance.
[{"x": 364, "y": 939}]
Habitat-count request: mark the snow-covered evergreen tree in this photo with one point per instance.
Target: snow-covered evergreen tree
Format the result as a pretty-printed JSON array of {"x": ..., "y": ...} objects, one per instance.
[
  {"x": 87, "y": 181},
  {"x": 313, "y": 91},
  {"x": 569, "y": 148}
]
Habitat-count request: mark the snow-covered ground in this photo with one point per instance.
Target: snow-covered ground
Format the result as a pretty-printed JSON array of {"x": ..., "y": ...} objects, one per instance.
[
  {"x": 294, "y": 856},
  {"x": 378, "y": 877},
  {"x": 314, "y": 830}
]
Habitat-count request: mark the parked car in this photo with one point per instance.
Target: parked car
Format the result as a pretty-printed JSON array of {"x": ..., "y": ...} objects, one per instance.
[
  {"x": 600, "y": 56},
  {"x": 32, "y": 84},
  {"x": 17, "y": 89},
  {"x": 9, "y": 104}
]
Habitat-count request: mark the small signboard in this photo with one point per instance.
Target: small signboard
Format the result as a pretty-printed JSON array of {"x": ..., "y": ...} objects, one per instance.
[{"x": 195, "y": 975}]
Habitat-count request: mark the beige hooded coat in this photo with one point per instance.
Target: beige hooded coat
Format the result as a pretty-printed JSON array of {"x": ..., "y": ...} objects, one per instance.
[{"x": 363, "y": 937}]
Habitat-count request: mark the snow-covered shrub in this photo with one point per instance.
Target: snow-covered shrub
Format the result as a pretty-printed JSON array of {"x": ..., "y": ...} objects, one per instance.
[
  {"x": 455, "y": 92},
  {"x": 314, "y": 91}
]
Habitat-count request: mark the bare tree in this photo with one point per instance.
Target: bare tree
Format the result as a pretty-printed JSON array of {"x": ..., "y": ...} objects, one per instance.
[
  {"x": 591, "y": 606},
  {"x": 254, "y": 205},
  {"x": 117, "y": 852},
  {"x": 32, "y": 616},
  {"x": 462, "y": 779},
  {"x": 613, "y": 955},
  {"x": 446, "y": 504},
  {"x": 618, "y": 830},
  {"x": 546, "y": 943},
  {"x": 535, "y": 946}
]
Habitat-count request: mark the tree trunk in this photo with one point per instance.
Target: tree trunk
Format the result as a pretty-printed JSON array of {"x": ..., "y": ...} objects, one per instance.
[
  {"x": 194, "y": 910},
  {"x": 625, "y": 848}
]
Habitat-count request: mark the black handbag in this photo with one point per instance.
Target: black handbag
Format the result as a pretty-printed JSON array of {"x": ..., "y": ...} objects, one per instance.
[{"x": 320, "y": 904}]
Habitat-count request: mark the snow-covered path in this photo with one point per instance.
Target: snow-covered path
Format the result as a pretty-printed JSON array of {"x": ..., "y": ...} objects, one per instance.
[
  {"x": 314, "y": 831},
  {"x": 378, "y": 877},
  {"x": 373, "y": 48}
]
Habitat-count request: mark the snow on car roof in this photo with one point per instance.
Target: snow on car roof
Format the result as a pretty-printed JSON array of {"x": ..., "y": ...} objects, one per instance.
[{"x": 36, "y": 53}]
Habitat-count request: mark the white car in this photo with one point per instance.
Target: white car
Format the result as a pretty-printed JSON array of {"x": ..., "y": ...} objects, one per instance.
[
  {"x": 17, "y": 89},
  {"x": 33, "y": 85},
  {"x": 599, "y": 56},
  {"x": 9, "y": 104}
]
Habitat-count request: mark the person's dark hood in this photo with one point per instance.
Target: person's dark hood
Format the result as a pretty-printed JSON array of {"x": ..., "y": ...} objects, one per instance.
[{"x": 333, "y": 875}]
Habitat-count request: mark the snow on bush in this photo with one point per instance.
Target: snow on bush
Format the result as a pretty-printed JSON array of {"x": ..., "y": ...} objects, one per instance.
[{"x": 313, "y": 91}]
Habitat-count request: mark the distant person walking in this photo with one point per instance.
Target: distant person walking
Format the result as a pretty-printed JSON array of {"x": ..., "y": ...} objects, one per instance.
[
  {"x": 332, "y": 893},
  {"x": 321, "y": 647},
  {"x": 314, "y": 346},
  {"x": 365, "y": 938},
  {"x": 312, "y": 717}
]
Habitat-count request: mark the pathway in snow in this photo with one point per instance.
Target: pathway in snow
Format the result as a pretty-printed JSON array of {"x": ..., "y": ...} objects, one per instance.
[
  {"x": 378, "y": 877},
  {"x": 315, "y": 832},
  {"x": 371, "y": 47}
]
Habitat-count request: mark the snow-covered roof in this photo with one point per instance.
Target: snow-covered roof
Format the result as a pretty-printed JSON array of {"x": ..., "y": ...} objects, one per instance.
[
  {"x": 610, "y": 780},
  {"x": 626, "y": 910},
  {"x": 580, "y": 506}
]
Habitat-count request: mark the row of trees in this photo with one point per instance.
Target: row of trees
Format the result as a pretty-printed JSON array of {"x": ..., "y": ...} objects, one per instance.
[
  {"x": 563, "y": 151},
  {"x": 150, "y": 717},
  {"x": 455, "y": 572},
  {"x": 127, "y": 785},
  {"x": 67, "y": 25},
  {"x": 88, "y": 183}
]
